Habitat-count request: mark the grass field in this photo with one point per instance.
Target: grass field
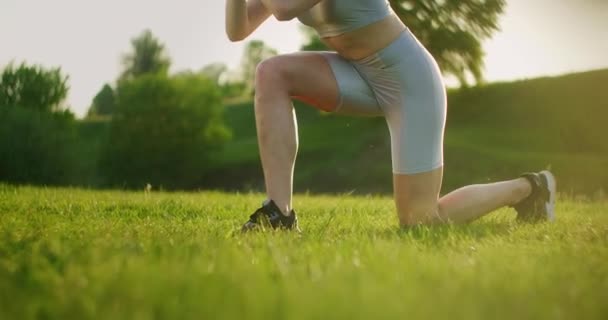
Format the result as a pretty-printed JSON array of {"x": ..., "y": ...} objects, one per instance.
[{"x": 78, "y": 254}]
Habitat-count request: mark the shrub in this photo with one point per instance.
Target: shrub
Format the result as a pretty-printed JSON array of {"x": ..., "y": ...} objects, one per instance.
[
  {"x": 37, "y": 147},
  {"x": 38, "y": 141},
  {"x": 163, "y": 132}
]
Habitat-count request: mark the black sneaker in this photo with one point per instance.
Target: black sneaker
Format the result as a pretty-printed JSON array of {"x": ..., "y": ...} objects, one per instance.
[
  {"x": 540, "y": 204},
  {"x": 269, "y": 215}
]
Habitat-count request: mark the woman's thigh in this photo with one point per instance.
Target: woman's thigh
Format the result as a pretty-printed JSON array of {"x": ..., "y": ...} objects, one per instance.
[{"x": 322, "y": 79}]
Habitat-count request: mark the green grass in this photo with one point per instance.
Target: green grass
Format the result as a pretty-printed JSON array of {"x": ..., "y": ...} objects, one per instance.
[{"x": 79, "y": 254}]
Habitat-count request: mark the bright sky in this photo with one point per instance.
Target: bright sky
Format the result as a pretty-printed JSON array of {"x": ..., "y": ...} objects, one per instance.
[{"x": 87, "y": 38}]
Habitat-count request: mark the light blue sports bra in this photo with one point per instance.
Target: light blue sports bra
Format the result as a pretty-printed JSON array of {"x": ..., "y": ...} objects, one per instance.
[{"x": 335, "y": 17}]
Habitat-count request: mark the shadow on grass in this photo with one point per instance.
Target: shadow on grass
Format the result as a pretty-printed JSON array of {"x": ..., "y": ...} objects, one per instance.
[{"x": 440, "y": 235}]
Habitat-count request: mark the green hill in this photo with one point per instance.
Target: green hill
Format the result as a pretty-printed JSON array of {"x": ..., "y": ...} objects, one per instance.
[{"x": 494, "y": 131}]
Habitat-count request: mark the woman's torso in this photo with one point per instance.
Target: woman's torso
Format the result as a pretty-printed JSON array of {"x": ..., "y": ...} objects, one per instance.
[{"x": 354, "y": 28}]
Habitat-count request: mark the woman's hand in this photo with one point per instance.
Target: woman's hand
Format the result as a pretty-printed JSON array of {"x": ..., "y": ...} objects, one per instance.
[
  {"x": 243, "y": 17},
  {"x": 284, "y": 10}
]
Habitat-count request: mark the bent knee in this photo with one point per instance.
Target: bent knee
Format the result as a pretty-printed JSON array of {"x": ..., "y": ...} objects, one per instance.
[
  {"x": 271, "y": 74},
  {"x": 419, "y": 215}
]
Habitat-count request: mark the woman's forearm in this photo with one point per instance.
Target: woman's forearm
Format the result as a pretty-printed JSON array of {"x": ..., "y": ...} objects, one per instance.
[
  {"x": 243, "y": 17},
  {"x": 236, "y": 19}
]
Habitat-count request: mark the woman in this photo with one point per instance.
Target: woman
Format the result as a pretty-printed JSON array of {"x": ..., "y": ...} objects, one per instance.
[{"x": 378, "y": 68}]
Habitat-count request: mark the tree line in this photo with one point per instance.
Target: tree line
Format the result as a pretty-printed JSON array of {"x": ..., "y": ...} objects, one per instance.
[{"x": 150, "y": 126}]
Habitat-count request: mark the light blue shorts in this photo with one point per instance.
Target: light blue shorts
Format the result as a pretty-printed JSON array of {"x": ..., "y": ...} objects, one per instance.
[{"x": 403, "y": 83}]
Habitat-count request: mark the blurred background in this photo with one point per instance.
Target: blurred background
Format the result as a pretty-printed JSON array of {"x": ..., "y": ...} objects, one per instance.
[{"x": 115, "y": 94}]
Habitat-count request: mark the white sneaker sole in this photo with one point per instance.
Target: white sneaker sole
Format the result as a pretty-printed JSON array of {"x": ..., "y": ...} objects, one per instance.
[{"x": 552, "y": 186}]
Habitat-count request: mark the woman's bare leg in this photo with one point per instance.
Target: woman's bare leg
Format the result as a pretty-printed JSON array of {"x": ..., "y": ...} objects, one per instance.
[
  {"x": 309, "y": 77},
  {"x": 417, "y": 198},
  {"x": 471, "y": 202},
  {"x": 304, "y": 75}
]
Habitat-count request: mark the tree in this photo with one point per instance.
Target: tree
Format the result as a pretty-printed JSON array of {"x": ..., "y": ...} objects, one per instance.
[
  {"x": 214, "y": 71},
  {"x": 255, "y": 52},
  {"x": 313, "y": 43},
  {"x": 164, "y": 131},
  {"x": 148, "y": 56},
  {"x": 104, "y": 102},
  {"x": 38, "y": 140},
  {"x": 452, "y": 30},
  {"x": 33, "y": 87}
]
